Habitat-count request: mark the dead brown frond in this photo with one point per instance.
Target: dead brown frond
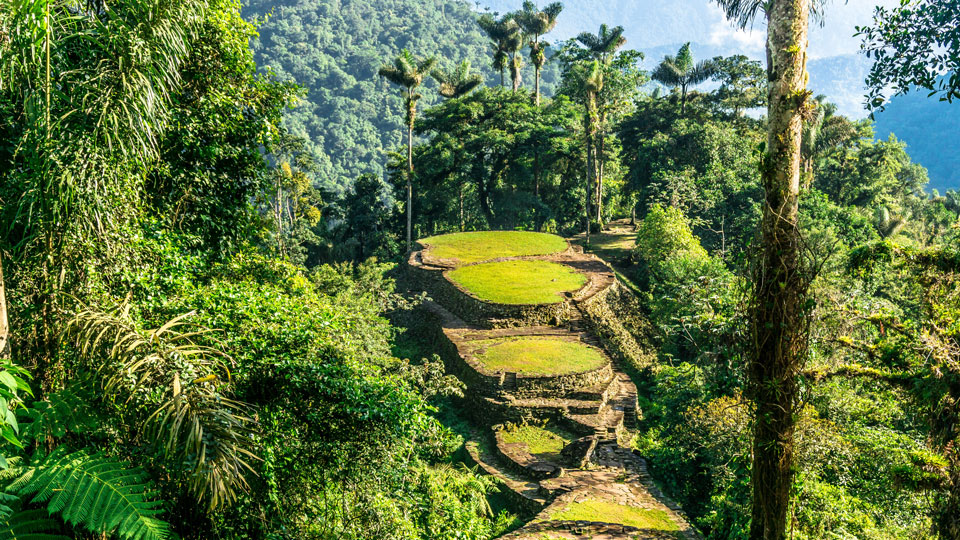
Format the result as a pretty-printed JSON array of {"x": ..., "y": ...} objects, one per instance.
[{"x": 174, "y": 384}]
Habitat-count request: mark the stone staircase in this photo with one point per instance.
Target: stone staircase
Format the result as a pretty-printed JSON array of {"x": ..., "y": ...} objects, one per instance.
[{"x": 600, "y": 407}]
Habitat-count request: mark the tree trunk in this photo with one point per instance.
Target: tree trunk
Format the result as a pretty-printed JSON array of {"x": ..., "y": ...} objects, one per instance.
[
  {"x": 4, "y": 321},
  {"x": 410, "y": 185},
  {"x": 683, "y": 100},
  {"x": 600, "y": 141},
  {"x": 589, "y": 175},
  {"x": 778, "y": 324},
  {"x": 515, "y": 76},
  {"x": 536, "y": 85},
  {"x": 482, "y": 196},
  {"x": 279, "y": 215},
  {"x": 460, "y": 194}
]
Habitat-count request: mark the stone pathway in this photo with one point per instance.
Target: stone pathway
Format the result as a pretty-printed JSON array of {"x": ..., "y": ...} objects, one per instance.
[{"x": 597, "y": 406}]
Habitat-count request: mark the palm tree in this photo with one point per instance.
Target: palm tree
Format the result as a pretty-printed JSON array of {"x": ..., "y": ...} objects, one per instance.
[
  {"x": 889, "y": 223},
  {"x": 682, "y": 72},
  {"x": 408, "y": 72},
  {"x": 537, "y": 23},
  {"x": 604, "y": 43},
  {"x": 457, "y": 82},
  {"x": 592, "y": 86},
  {"x": 812, "y": 128},
  {"x": 503, "y": 33},
  {"x": 602, "y": 46},
  {"x": 779, "y": 304},
  {"x": 513, "y": 47}
]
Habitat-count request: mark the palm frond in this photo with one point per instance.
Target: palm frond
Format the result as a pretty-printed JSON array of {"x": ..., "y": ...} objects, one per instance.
[
  {"x": 702, "y": 71},
  {"x": 406, "y": 70},
  {"x": 744, "y": 12},
  {"x": 604, "y": 43},
  {"x": 667, "y": 73},
  {"x": 96, "y": 492},
  {"x": 459, "y": 82},
  {"x": 173, "y": 384}
]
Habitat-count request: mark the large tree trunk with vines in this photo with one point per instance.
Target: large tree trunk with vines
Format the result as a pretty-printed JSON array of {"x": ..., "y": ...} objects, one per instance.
[{"x": 779, "y": 329}]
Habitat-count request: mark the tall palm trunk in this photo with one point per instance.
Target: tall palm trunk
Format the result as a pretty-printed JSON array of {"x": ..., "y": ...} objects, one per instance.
[
  {"x": 278, "y": 214},
  {"x": 515, "y": 73},
  {"x": 536, "y": 85},
  {"x": 536, "y": 74},
  {"x": 600, "y": 140},
  {"x": 411, "y": 117},
  {"x": 778, "y": 329},
  {"x": 591, "y": 158}
]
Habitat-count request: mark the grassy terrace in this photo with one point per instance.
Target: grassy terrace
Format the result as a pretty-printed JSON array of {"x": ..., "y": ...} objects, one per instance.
[
  {"x": 474, "y": 247},
  {"x": 541, "y": 356},
  {"x": 518, "y": 282},
  {"x": 611, "y": 512},
  {"x": 546, "y": 441}
]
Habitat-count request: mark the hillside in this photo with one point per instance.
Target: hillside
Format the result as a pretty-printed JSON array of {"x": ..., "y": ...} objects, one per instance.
[
  {"x": 931, "y": 129},
  {"x": 333, "y": 49}
]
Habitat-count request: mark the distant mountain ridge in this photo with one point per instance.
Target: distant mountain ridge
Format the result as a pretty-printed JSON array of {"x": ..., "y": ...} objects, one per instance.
[
  {"x": 352, "y": 119},
  {"x": 931, "y": 129}
]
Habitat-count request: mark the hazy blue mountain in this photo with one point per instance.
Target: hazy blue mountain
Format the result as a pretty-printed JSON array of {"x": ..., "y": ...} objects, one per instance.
[{"x": 931, "y": 129}]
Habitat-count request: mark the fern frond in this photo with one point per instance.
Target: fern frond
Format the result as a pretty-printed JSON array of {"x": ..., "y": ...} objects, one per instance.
[
  {"x": 30, "y": 525},
  {"x": 20, "y": 524},
  {"x": 59, "y": 413},
  {"x": 101, "y": 494}
]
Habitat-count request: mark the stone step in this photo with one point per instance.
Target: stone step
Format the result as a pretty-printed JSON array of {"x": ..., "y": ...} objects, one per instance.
[
  {"x": 527, "y": 494},
  {"x": 601, "y": 392}
]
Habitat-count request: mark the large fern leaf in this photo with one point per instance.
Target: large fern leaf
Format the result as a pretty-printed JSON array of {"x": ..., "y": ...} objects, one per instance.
[
  {"x": 30, "y": 525},
  {"x": 20, "y": 524},
  {"x": 102, "y": 494}
]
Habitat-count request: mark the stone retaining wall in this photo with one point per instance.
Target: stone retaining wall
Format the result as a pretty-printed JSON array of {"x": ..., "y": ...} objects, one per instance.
[
  {"x": 599, "y": 313},
  {"x": 481, "y": 313},
  {"x": 472, "y": 372}
]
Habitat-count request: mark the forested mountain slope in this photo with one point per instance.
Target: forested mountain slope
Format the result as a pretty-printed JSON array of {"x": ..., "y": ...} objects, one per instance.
[
  {"x": 333, "y": 48},
  {"x": 931, "y": 129}
]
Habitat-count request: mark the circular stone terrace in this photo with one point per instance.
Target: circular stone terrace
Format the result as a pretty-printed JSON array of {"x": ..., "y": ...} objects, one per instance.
[
  {"x": 540, "y": 356},
  {"x": 514, "y": 276}
]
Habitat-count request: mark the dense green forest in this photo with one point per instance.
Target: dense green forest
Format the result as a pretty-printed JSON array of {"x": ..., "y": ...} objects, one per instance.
[
  {"x": 211, "y": 325},
  {"x": 332, "y": 50}
]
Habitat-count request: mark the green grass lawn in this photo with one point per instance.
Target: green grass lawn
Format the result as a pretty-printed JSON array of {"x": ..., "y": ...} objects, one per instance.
[
  {"x": 612, "y": 246},
  {"x": 545, "y": 441},
  {"x": 541, "y": 356},
  {"x": 518, "y": 282},
  {"x": 610, "y": 512},
  {"x": 474, "y": 247}
]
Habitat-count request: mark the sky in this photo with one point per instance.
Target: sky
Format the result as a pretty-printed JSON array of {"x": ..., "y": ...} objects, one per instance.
[
  {"x": 651, "y": 23},
  {"x": 834, "y": 38}
]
